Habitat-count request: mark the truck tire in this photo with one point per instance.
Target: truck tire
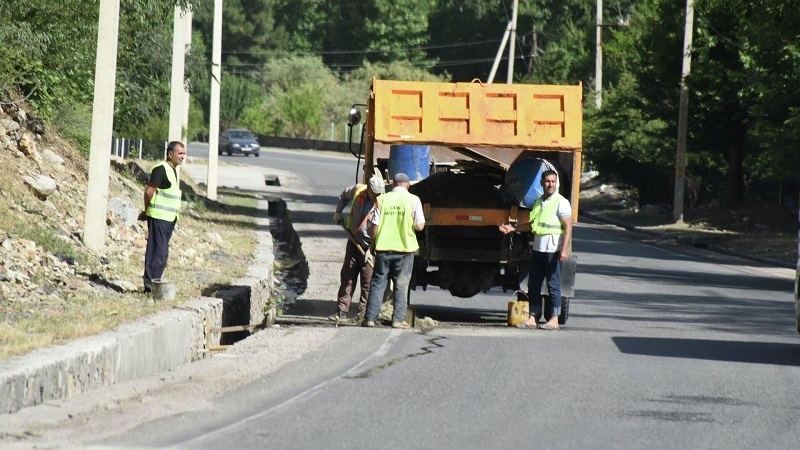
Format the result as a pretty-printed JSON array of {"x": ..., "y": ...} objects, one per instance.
[{"x": 562, "y": 318}]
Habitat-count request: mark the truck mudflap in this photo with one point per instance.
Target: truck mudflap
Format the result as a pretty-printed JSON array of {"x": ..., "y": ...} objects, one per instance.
[{"x": 568, "y": 270}]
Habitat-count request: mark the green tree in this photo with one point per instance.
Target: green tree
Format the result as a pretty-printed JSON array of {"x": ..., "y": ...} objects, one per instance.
[
  {"x": 249, "y": 34},
  {"x": 464, "y": 37},
  {"x": 236, "y": 95}
]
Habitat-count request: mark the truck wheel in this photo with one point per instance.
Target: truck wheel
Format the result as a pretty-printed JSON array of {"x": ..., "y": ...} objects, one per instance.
[{"x": 562, "y": 318}]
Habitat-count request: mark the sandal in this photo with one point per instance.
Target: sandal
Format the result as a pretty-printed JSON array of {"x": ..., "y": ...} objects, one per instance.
[{"x": 528, "y": 325}]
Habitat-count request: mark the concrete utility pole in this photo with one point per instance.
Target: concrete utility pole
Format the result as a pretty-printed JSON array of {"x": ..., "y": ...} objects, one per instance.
[
  {"x": 105, "y": 77},
  {"x": 177, "y": 90},
  {"x": 680, "y": 159},
  {"x": 513, "y": 43},
  {"x": 598, "y": 62},
  {"x": 499, "y": 54},
  {"x": 186, "y": 97},
  {"x": 213, "y": 119}
]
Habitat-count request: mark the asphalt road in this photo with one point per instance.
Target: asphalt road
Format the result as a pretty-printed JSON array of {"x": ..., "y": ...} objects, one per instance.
[{"x": 666, "y": 347}]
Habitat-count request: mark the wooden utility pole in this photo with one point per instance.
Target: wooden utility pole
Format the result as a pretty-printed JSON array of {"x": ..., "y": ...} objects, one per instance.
[
  {"x": 680, "y": 159},
  {"x": 512, "y": 43},
  {"x": 213, "y": 119},
  {"x": 105, "y": 77}
]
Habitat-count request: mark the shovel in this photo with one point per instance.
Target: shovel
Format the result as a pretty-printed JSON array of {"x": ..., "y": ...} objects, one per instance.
[{"x": 353, "y": 240}]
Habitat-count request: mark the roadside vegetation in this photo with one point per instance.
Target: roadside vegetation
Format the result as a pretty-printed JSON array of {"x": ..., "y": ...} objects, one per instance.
[{"x": 294, "y": 67}]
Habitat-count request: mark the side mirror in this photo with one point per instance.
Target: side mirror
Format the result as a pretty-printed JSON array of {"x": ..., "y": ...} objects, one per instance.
[{"x": 354, "y": 117}]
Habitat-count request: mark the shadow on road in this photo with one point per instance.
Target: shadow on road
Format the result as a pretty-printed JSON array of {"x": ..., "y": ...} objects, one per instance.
[{"x": 773, "y": 353}]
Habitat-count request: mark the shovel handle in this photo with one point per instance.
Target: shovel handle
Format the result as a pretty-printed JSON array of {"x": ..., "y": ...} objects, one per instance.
[{"x": 352, "y": 239}]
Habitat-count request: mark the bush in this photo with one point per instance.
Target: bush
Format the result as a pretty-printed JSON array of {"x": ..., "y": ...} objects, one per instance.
[{"x": 74, "y": 123}]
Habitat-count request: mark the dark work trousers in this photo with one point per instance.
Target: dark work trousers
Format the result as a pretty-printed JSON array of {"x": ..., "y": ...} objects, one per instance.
[
  {"x": 159, "y": 233},
  {"x": 353, "y": 267}
]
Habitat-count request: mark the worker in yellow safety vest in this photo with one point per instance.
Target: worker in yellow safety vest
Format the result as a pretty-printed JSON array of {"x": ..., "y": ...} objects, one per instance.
[
  {"x": 162, "y": 201},
  {"x": 551, "y": 225},
  {"x": 357, "y": 265},
  {"x": 398, "y": 215}
]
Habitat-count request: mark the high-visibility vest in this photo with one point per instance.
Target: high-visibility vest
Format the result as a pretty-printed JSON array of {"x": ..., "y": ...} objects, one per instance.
[
  {"x": 356, "y": 198},
  {"x": 544, "y": 219},
  {"x": 396, "y": 227},
  {"x": 166, "y": 203}
]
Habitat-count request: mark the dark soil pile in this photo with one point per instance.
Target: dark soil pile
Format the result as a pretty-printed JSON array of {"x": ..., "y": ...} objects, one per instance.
[{"x": 457, "y": 190}]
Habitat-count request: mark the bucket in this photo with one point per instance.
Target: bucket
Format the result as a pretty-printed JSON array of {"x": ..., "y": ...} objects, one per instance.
[
  {"x": 163, "y": 290},
  {"x": 524, "y": 179},
  {"x": 412, "y": 160}
]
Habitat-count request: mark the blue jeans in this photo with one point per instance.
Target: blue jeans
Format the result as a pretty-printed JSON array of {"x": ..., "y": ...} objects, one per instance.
[
  {"x": 545, "y": 266},
  {"x": 390, "y": 265},
  {"x": 159, "y": 232}
]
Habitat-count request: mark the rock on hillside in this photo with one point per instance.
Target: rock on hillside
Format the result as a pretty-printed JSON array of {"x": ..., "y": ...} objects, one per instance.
[{"x": 43, "y": 184}]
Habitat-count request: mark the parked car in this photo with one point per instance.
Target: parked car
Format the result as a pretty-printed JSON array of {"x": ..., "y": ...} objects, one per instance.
[{"x": 238, "y": 141}]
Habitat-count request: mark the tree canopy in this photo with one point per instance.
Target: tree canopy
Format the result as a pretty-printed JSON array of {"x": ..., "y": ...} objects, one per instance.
[{"x": 292, "y": 67}]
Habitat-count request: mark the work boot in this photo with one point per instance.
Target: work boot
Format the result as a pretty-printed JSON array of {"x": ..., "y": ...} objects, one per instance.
[
  {"x": 338, "y": 316},
  {"x": 401, "y": 325}
]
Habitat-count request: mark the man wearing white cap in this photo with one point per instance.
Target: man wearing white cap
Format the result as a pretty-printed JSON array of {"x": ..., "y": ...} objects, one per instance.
[
  {"x": 357, "y": 262},
  {"x": 398, "y": 216}
]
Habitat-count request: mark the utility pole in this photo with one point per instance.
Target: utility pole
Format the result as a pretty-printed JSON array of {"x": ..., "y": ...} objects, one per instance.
[
  {"x": 499, "y": 54},
  {"x": 187, "y": 22},
  {"x": 512, "y": 42},
  {"x": 598, "y": 62},
  {"x": 105, "y": 77},
  {"x": 213, "y": 119},
  {"x": 534, "y": 50},
  {"x": 177, "y": 90},
  {"x": 680, "y": 159}
]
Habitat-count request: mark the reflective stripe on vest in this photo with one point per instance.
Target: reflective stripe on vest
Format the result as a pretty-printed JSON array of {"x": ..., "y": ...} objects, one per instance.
[
  {"x": 396, "y": 227},
  {"x": 166, "y": 203},
  {"x": 356, "y": 198},
  {"x": 544, "y": 220}
]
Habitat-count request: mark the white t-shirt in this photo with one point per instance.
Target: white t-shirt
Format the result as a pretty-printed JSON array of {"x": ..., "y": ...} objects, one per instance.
[{"x": 551, "y": 243}]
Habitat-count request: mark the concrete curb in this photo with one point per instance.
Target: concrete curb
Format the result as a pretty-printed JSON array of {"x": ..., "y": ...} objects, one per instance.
[{"x": 146, "y": 347}]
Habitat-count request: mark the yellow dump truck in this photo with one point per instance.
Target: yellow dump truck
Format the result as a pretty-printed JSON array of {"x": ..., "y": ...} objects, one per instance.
[{"x": 484, "y": 147}]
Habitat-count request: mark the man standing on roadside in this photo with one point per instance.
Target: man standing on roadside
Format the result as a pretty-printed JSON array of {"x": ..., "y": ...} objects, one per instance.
[
  {"x": 357, "y": 256},
  {"x": 162, "y": 200},
  {"x": 398, "y": 215},
  {"x": 551, "y": 225}
]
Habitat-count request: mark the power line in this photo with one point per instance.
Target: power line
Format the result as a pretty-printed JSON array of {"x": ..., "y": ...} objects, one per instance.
[
  {"x": 358, "y": 52},
  {"x": 342, "y": 68}
]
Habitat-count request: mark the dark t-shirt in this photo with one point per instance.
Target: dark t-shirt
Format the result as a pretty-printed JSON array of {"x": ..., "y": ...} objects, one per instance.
[{"x": 158, "y": 177}]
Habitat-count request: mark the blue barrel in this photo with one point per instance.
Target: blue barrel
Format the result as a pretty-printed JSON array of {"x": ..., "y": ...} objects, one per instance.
[
  {"x": 412, "y": 160},
  {"x": 524, "y": 180}
]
